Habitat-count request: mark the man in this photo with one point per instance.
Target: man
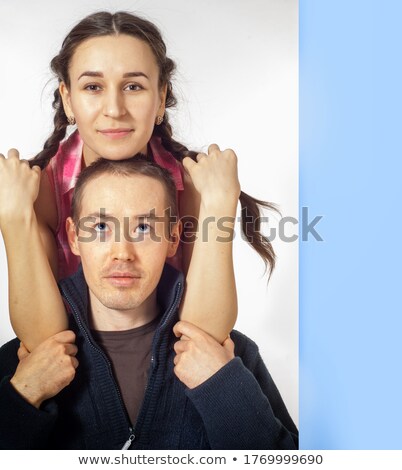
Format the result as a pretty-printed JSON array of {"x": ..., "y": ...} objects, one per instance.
[{"x": 127, "y": 382}]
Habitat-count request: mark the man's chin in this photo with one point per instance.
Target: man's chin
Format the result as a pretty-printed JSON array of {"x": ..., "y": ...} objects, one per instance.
[{"x": 122, "y": 303}]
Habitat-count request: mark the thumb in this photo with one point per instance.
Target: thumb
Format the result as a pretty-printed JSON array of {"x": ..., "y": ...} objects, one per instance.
[
  {"x": 36, "y": 169},
  {"x": 229, "y": 346},
  {"x": 188, "y": 164},
  {"x": 22, "y": 352}
]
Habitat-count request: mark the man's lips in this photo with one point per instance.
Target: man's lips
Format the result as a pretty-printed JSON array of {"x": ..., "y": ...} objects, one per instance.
[
  {"x": 116, "y": 133},
  {"x": 122, "y": 278}
]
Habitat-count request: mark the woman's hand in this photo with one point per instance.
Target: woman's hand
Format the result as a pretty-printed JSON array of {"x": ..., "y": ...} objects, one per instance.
[
  {"x": 19, "y": 187},
  {"x": 215, "y": 176}
]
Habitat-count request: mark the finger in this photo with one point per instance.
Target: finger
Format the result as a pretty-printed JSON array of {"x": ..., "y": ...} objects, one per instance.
[
  {"x": 74, "y": 362},
  {"x": 180, "y": 346},
  {"x": 187, "y": 329},
  {"x": 13, "y": 153},
  {"x": 36, "y": 169},
  {"x": 2, "y": 156},
  {"x": 213, "y": 148},
  {"x": 24, "y": 161},
  {"x": 229, "y": 345},
  {"x": 22, "y": 352},
  {"x": 71, "y": 349},
  {"x": 66, "y": 336},
  {"x": 188, "y": 164},
  {"x": 200, "y": 156}
]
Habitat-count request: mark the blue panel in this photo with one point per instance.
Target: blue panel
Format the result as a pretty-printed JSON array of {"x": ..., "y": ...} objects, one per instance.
[{"x": 350, "y": 173}]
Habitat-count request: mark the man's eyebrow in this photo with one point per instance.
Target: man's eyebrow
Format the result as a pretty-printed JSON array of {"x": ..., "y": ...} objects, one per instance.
[
  {"x": 95, "y": 74},
  {"x": 101, "y": 215},
  {"x": 150, "y": 216}
]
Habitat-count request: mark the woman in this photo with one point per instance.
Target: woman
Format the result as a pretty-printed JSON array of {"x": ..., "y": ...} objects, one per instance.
[{"x": 115, "y": 85}]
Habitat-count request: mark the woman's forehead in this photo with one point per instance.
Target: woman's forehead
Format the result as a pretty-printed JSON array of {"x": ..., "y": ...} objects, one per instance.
[{"x": 122, "y": 52}]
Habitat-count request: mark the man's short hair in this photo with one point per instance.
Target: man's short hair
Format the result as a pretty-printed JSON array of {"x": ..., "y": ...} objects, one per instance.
[{"x": 136, "y": 165}]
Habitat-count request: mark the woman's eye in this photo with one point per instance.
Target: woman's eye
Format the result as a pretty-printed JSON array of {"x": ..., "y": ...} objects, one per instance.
[
  {"x": 133, "y": 87},
  {"x": 92, "y": 87}
]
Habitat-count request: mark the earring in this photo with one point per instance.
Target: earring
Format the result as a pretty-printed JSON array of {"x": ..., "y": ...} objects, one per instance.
[
  {"x": 71, "y": 120},
  {"x": 159, "y": 120}
]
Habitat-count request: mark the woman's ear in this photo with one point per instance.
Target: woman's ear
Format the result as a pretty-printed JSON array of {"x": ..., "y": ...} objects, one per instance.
[
  {"x": 72, "y": 236},
  {"x": 66, "y": 99},
  {"x": 162, "y": 94}
]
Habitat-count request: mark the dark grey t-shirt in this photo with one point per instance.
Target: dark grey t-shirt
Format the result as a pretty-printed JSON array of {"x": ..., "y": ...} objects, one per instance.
[{"x": 129, "y": 352}]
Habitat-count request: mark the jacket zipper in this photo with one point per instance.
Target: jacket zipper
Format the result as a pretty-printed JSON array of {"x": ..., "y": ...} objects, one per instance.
[
  {"x": 178, "y": 294},
  {"x": 131, "y": 430},
  {"x": 129, "y": 441},
  {"x": 99, "y": 351}
]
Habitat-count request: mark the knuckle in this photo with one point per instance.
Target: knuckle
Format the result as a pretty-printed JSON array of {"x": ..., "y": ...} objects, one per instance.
[
  {"x": 71, "y": 335},
  {"x": 71, "y": 374},
  {"x": 55, "y": 347}
]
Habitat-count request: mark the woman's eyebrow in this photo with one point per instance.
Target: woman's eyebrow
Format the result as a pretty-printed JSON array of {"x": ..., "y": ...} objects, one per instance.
[
  {"x": 89, "y": 73},
  {"x": 135, "y": 74}
]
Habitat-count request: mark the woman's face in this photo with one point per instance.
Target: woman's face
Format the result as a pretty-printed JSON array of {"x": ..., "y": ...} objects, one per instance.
[{"x": 114, "y": 96}]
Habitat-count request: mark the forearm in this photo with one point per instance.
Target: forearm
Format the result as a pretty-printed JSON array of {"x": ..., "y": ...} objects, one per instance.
[
  {"x": 210, "y": 300},
  {"x": 36, "y": 308}
]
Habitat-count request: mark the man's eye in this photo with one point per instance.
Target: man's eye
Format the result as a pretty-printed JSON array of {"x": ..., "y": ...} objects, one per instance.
[
  {"x": 143, "y": 228},
  {"x": 101, "y": 227}
]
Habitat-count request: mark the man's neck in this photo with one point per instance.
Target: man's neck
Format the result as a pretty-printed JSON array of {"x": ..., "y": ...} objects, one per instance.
[{"x": 102, "y": 318}]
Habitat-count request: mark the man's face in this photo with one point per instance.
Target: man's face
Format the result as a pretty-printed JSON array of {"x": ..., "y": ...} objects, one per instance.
[{"x": 122, "y": 248}]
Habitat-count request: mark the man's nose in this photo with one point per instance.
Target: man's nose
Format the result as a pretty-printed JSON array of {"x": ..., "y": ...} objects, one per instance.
[
  {"x": 114, "y": 104},
  {"x": 123, "y": 249}
]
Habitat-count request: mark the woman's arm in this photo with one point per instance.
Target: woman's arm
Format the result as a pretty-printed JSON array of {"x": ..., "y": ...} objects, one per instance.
[
  {"x": 211, "y": 192},
  {"x": 36, "y": 308}
]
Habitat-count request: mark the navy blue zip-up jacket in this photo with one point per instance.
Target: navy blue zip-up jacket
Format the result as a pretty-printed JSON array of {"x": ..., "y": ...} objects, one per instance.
[{"x": 237, "y": 408}]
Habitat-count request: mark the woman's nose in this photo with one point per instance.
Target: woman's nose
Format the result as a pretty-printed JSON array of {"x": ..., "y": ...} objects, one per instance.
[{"x": 114, "y": 105}]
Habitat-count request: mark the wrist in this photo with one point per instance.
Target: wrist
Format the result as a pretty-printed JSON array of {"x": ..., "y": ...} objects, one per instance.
[
  {"x": 24, "y": 218},
  {"x": 222, "y": 206},
  {"x": 26, "y": 392}
]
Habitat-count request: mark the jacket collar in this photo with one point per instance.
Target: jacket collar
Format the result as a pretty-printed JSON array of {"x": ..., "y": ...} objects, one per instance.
[{"x": 74, "y": 290}]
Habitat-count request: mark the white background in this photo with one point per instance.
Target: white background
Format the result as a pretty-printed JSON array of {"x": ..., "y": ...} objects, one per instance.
[{"x": 237, "y": 85}]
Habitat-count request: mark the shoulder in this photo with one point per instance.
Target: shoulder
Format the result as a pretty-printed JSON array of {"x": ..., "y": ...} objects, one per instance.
[
  {"x": 243, "y": 342},
  {"x": 246, "y": 349},
  {"x": 8, "y": 357},
  {"x": 9, "y": 348}
]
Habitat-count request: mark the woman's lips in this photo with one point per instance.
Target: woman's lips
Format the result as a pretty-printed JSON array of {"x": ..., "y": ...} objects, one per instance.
[{"x": 115, "y": 133}]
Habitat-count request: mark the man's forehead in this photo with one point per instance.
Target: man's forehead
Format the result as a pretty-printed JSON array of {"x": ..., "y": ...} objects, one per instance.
[
  {"x": 132, "y": 196},
  {"x": 104, "y": 214}
]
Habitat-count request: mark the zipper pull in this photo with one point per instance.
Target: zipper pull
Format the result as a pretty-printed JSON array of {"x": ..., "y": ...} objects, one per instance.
[{"x": 129, "y": 441}]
